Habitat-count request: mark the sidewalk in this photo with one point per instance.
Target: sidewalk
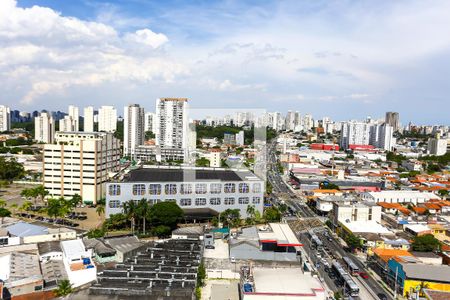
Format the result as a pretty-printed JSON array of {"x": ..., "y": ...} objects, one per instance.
[{"x": 384, "y": 285}]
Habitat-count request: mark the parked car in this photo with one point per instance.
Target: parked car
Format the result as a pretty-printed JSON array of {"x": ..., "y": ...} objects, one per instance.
[
  {"x": 363, "y": 275},
  {"x": 209, "y": 247}
]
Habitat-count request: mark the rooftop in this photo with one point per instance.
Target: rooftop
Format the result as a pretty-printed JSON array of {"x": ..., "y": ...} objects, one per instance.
[
  {"x": 417, "y": 227},
  {"x": 124, "y": 244},
  {"x": 47, "y": 247},
  {"x": 73, "y": 247},
  {"x": 281, "y": 234},
  {"x": 437, "y": 273},
  {"x": 366, "y": 226},
  {"x": 22, "y": 229},
  {"x": 386, "y": 254}
]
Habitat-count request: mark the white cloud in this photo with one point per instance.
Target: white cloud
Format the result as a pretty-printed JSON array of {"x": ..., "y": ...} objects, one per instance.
[{"x": 147, "y": 37}]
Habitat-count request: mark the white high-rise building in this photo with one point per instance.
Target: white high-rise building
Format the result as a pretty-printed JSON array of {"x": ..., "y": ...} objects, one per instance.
[
  {"x": 80, "y": 163},
  {"x": 107, "y": 119},
  {"x": 150, "y": 122},
  {"x": 393, "y": 119},
  {"x": 381, "y": 136},
  {"x": 74, "y": 113},
  {"x": 88, "y": 119},
  {"x": 240, "y": 138},
  {"x": 5, "y": 118},
  {"x": 437, "y": 146},
  {"x": 172, "y": 123},
  {"x": 354, "y": 133},
  {"x": 67, "y": 124},
  {"x": 133, "y": 128},
  {"x": 290, "y": 120},
  {"x": 44, "y": 128},
  {"x": 308, "y": 122}
]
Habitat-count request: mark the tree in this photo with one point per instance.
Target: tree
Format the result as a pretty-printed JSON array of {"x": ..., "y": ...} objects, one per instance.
[
  {"x": 64, "y": 288},
  {"x": 115, "y": 221},
  {"x": 201, "y": 274},
  {"x": 202, "y": 162},
  {"x": 10, "y": 169},
  {"x": 272, "y": 214},
  {"x": 57, "y": 208},
  {"x": 165, "y": 213},
  {"x": 4, "y": 213},
  {"x": 161, "y": 231},
  {"x": 130, "y": 210},
  {"x": 230, "y": 217},
  {"x": 40, "y": 191},
  {"x": 425, "y": 243},
  {"x": 352, "y": 241},
  {"x": 443, "y": 193},
  {"x": 142, "y": 210},
  {"x": 26, "y": 206},
  {"x": 149, "y": 135},
  {"x": 96, "y": 233},
  {"x": 75, "y": 201},
  {"x": 2, "y": 203}
]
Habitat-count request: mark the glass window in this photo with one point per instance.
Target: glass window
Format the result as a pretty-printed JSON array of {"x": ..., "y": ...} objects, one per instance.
[
  {"x": 215, "y": 188},
  {"x": 256, "y": 200},
  {"x": 114, "y": 190},
  {"x": 244, "y": 188},
  {"x": 186, "y": 188},
  {"x": 138, "y": 189},
  {"x": 230, "y": 188},
  {"x": 200, "y": 188},
  {"x": 229, "y": 201},
  {"x": 170, "y": 189},
  {"x": 185, "y": 202},
  {"x": 114, "y": 204},
  {"x": 243, "y": 200},
  {"x": 214, "y": 201},
  {"x": 154, "y": 189},
  {"x": 257, "y": 188},
  {"x": 200, "y": 201},
  {"x": 171, "y": 200}
]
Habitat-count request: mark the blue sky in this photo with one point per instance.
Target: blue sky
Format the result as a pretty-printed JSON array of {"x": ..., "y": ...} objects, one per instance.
[{"x": 343, "y": 59}]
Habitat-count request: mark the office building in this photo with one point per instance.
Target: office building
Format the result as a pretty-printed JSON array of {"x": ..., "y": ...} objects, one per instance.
[
  {"x": 150, "y": 122},
  {"x": 133, "y": 128},
  {"x": 44, "y": 128},
  {"x": 5, "y": 118},
  {"x": 195, "y": 190},
  {"x": 80, "y": 163},
  {"x": 88, "y": 125},
  {"x": 354, "y": 133},
  {"x": 107, "y": 119},
  {"x": 393, "y": 119},
  {"x": 74, "y": 113},
  {"x": 437, "y": 146}
]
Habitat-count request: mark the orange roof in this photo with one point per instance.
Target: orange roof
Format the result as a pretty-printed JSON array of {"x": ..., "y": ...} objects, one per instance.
[
  {"x": 386, "y": 254},
  {"x": 326, "y": 191},
  {"x": 432, "y": 206},
  {"x": 419, "y": 210}
]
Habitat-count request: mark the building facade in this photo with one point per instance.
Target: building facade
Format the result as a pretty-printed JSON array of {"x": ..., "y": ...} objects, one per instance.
[
  {"x": 437, "y": 146},
  {"x": 354, "y": 133},
  {"x": 393, "y": 119},
  {"x": 5, "y": 118},
  {"x": 74, "y": 114},
  {"x": 133, "y": 129},
  {"x": 107, "y": 119},
  {"x": 209, "y": 189},
  {"x": 44, "y": 128},
  {"x": 80, "y": 163},
  {"x": 88, "y": 125}
]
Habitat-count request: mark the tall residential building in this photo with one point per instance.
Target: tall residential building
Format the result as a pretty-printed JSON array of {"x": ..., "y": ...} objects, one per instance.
[
  {"x": 308, "y": 122},
  {"x": 354, "y": 133},
  {"x": 437, "y": 146},
  {"x": 44, "y": 128},
  {"x": 393, "y": 119},
  {"x": 74, "y": 113},
  {"x": 172, "y": 123},
  {"x": 240, "y": 138},
  {"x": 150, "y": 122},
  {"x": 80, "y": 163},
  {"x": 88, "y": 119},
  {"x": 133, "y": 128},
  {"x": 5, "y": 118},
  {"x": 381, "y": 136},
  {"x": 290, "y": 120},
  {"x": 107, "y": 119},
  {"x": 67, "y": 124}
]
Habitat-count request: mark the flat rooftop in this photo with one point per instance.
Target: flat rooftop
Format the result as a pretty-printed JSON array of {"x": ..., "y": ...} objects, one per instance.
[
  {"x": 366, "y": 226},
  {"x": 281, "y": 234},
  {"x": 187, "y": 174},
  {"x": 285, "y": 282}
]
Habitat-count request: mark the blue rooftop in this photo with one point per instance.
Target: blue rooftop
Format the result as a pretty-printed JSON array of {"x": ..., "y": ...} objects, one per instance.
[{"x": 22, "y": 229}]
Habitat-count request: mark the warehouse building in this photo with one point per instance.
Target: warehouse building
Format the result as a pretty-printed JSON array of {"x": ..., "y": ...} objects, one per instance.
[{"x": 198, "y": 191}]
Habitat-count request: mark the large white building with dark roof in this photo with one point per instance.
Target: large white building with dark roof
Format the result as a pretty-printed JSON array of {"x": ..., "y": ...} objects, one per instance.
[{"x": 195, "y": 190}]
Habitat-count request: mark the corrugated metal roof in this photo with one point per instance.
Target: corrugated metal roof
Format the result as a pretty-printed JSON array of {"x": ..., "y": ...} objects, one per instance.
[{"x": 22, "y": 229}]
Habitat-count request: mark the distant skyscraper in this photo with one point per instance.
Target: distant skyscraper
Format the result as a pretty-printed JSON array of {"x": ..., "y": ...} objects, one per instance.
[
  {"x": 74, "y": 113},
  {"x": 88, "y": 119},
  {"x": 67, "y": 124},
  {"x": 5, "y": 118},
  {"x": 393, "y": 119},
  {"x": 172, "y": 123},
  {"x": 44, "y": 128},
  {"x": 381, "y": 136},
  {"x": 107, "y": 119},
  {"x": 133, "y": 128},
  {"x": 150, "y": 122}
]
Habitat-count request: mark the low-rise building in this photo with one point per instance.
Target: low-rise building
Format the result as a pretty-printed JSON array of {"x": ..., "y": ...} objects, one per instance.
[
  {"x": 31, "y": 233},
  {"x": 365, "y": 211},
  {"x": 413, "y": 197},
  {"x": 78, "y": 262}
]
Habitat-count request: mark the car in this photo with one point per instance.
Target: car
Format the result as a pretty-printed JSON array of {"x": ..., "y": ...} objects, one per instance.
[
  {"x": 382, "y": 296},
  {"x": 209, "y": 247},
  {"x": 363, "y": 275},
  {"x": 233, "y": 260}
]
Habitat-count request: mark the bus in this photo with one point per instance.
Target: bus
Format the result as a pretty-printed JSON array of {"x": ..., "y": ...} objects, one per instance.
[
  {"x": 315, "y": 241},
  {"x": 351, "y": 266},
  {"x": 350, "y": 286}
]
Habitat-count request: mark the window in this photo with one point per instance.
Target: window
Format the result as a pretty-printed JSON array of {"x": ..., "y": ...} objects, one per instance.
[
  {"x": 114, "y": 190},
  {"x": 170, "y": 189},
  {"x": 138, "y": 189},
  {"x": 215, "y": 188},
  {"x": 185, "y": 202},
  {"x": 186, "y": 188},
  {"x": 243, "y": 200},
  {"x": 154, "y": 189},
  {"x": 244, "y": 188},
  {"x": 230, "y": 188},
  {"x": 171, "y": 200},
  {"x": 229, "y": 201},
  {"x": 200, "y": 188},
  {"x": 256, "y": 200},
  {"x": 200, "y": 201},
  {"x": 114, "y": 204},
  {"x": 257, "y": 188},
  {"x": 214, "y": 201}
]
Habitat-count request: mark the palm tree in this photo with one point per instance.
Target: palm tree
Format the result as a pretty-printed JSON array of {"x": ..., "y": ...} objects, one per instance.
[
  {"x": 142, "y": 211},
  {"x": 130, "y": 210},
  {"x": 64, "y": 288},
  {"x": 41, "y": 192},
  {"x": 26, "y": 205},
  {"x": 100, "y": 210}
]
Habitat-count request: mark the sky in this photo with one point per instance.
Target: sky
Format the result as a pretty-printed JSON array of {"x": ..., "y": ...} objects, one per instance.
[{"x": 344, "y": 59}]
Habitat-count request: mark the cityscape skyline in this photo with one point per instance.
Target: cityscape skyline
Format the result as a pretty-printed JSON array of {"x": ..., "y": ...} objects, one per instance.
[{"x": 135, "y": 56}]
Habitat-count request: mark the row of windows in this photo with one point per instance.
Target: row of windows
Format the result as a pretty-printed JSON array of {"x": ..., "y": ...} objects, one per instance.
[
  {"x": 198, "y": 201},
  {"x": 186, "y": 188}
]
